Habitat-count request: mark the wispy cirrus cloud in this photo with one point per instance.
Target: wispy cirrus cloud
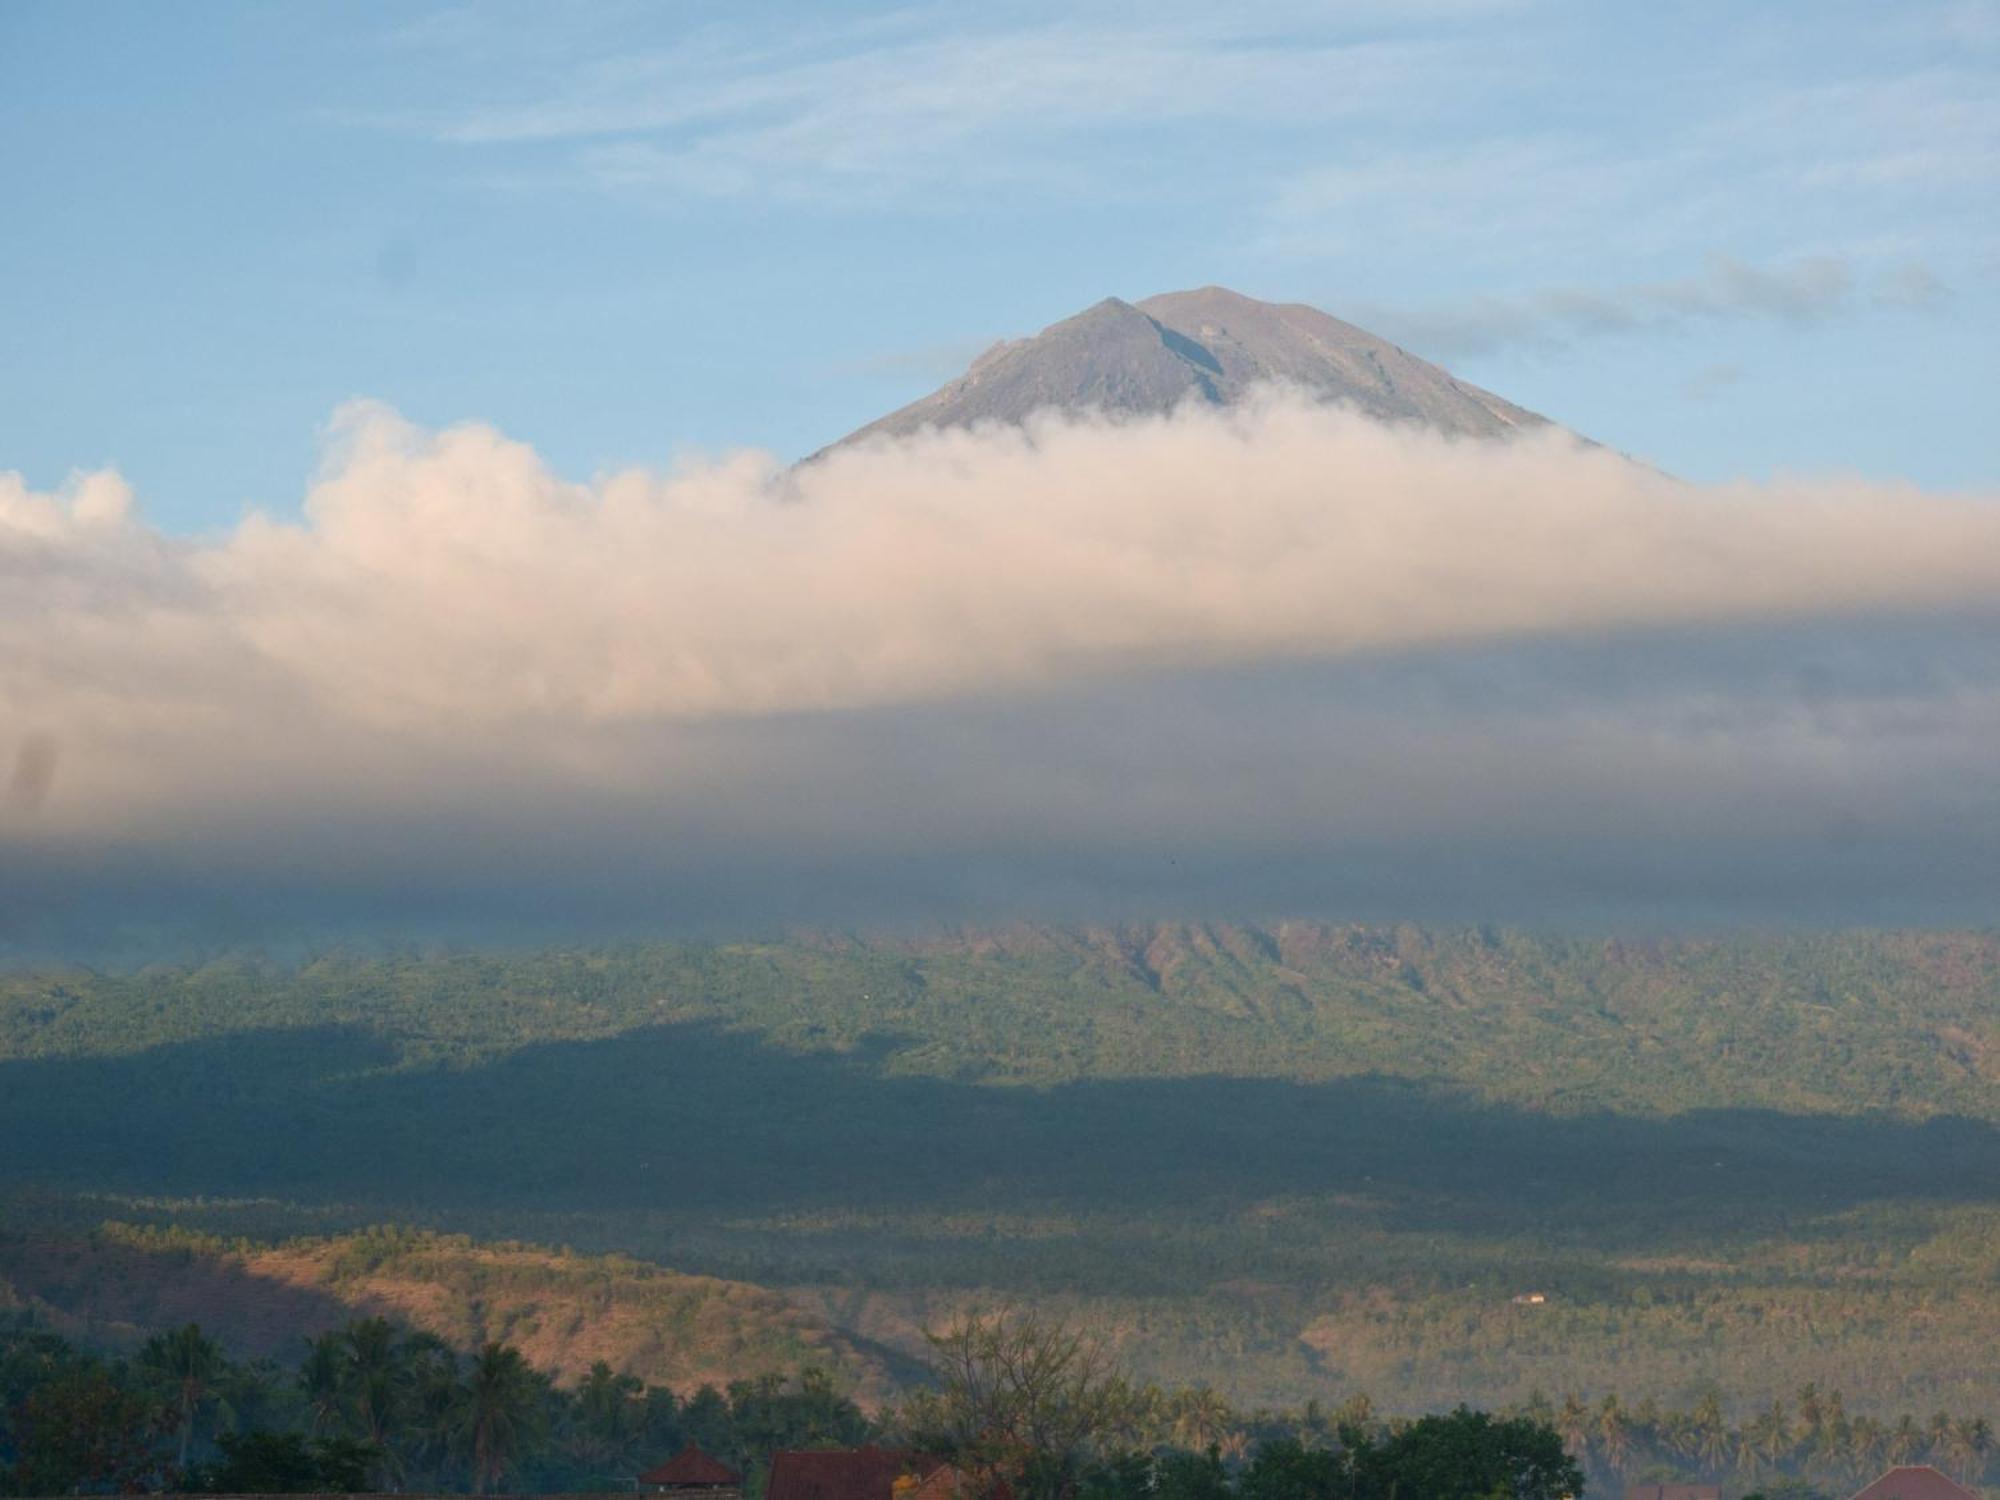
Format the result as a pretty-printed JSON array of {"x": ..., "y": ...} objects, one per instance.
[
  {"x": 901, "y": 101},
  {"x": 1911, "y": 152},
  {"x": 1802, "y": 291}
]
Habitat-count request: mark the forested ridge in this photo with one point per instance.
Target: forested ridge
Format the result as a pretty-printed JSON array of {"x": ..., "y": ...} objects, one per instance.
[
  {"x": 1836, "y": 1022},
  {"x": 1291, "y": 1159}
]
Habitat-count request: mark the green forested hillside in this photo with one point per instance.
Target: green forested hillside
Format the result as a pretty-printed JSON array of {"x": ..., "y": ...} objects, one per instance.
[
  {"x": 1293, "y": 1160},
  {"x": 1822, "y": 1023}
]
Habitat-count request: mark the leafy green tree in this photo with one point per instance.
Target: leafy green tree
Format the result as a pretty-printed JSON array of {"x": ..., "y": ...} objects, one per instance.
[
  {"x": 288, "y": 1463},
  {"x": 705, "y": 1420},
  {"x": 1191, "y": 1476},
  {"x": 1286, "y": 1469},
  {"x": 1469, "y": 1455},
  {"x": 1125, "y": 1475},
  {"x": 84, "y": 1431}
]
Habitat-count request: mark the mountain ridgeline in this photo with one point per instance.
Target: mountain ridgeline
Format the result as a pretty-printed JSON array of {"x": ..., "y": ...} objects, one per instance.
[{"x": 1210, "y": 346}]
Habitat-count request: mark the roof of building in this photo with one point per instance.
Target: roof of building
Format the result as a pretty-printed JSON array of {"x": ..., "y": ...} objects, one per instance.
[
  {"x": 1915, "y": 1482},
  {"x": 950, "y": 1482},
  {"x": 1673, "y": 1492},
  {"x": 693, "y": 1468},
  {"x": 843, "y": 1473}
]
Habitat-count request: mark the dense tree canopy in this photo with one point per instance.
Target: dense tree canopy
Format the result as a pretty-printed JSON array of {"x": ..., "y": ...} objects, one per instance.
[{"x": 1281, "y": 1160}]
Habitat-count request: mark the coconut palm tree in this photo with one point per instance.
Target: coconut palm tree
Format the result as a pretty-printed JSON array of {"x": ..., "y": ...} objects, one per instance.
[
  {"x": 1358, "y": 1410},
  {"x": 605, "y": 1412},
  {"x": 1904, "y": 1441},
  {"x": 1767, "y": 1437},
  {"x": 1201, "y": 1417},
  {"x": 1937, "y": 1438},
  {"x": 1614, "y": 1434},
  {"x": 1967, "y": 1446},
  {"x": 322, "y": 1381},
  {"x": 499, "y": 1413},
  {"x": 1573, "y": 1424},
  {"x": 1862, "y": 1453},
  {"x": 1710, "y": 1432},
  {"x": 428, "y": 1404},
  {"x": 373, "y": 1376},
  {"x": 188, "y": 1361},
  {"x": 1812, "y": 1415}
]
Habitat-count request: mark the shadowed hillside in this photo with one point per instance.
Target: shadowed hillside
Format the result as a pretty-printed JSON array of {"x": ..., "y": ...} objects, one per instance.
[{"x": 1291, "y": 1160}]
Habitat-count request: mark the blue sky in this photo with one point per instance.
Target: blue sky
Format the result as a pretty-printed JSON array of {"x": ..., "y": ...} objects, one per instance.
[{"x": 1735, "y": 239}]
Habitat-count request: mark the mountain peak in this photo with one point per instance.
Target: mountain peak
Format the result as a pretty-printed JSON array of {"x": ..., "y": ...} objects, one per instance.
[{"x": 1209, "y": 344}]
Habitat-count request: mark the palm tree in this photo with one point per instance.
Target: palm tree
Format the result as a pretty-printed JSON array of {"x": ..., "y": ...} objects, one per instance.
[
  {"x": 1614, "y": 1434},
  {"x": 1358, "y": 1410},
  {"x": 1967, "y": 1445},
  {"x": 1904, "y": 1442},
  {"x": 1835, "y": 1443},
  {"x": 1768, "y": 1436},
  {"x": 606, "y": 1410},
  {"x": 500, "y": 1411},
  {"x": 1711, "y": 1433},
  {"x": 1812, "y": 1415},
  {"x": 322, "y": 1381},
  {"x": 189, "y": 1361},
  {"x": 1937, "y": 1438},
  {"x": 1649, "y": 1426},
  {"x": 1201, "y": 1417},
  {"x": 429, "y": 1403},
  {"x": 374, "y": 1376},
  {"x": 1573, "y": 1423},
  {"x": 1979, "y": 1442},
  {"x": 1863, "y": 1449}
]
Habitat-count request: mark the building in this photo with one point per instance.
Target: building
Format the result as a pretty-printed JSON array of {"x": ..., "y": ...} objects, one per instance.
[
  {"x": 692, "y": 1475},
  {"x": 1915, "y": 1482},
  {"x": 950, "y": 1482},
  {"x": 1673, "y": 1492},
  {"x": 845, "y": 1473}
]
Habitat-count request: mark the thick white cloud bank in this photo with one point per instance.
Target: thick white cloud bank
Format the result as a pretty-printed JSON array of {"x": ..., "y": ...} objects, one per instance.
[{"x": 453, "y": 633}]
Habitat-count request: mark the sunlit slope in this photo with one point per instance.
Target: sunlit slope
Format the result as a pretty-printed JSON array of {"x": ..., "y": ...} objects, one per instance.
[
  {"x": 1209, "y": 346},
  {"x": 564, "y": 1310}
]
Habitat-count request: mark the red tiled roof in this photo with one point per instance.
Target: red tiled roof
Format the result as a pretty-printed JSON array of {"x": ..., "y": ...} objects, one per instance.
[
  {"x": 1915, "y": 1482},
  {"x": 950, "y": 1482},
  {"x": 695, "y": 1468},
  {"x": 1673, "y": 1492},
  {"x": 842, "y": 1473}
]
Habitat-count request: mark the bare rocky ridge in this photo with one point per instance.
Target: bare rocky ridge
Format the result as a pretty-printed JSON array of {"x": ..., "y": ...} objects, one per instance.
[{"x": 1211, "y": 345}]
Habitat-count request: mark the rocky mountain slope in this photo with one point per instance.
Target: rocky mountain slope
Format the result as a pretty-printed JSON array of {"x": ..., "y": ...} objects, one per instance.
[{"x": 1210, "y": 345}]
